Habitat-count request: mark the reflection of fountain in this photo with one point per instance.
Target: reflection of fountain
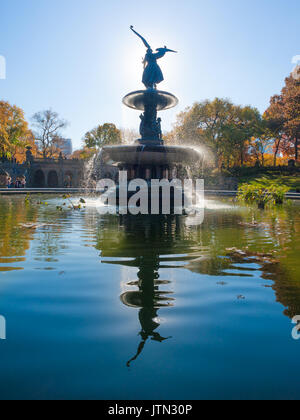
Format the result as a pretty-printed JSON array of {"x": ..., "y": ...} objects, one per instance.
[
  {"x": 129, "y": 251},
  {"x": 149, "y": 299}
]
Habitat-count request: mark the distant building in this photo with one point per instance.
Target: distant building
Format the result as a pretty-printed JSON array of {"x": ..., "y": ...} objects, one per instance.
[{"x": 66, "y": 147}]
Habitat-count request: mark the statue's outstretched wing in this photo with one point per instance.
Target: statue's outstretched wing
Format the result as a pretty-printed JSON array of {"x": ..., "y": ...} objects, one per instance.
[
  {"x": 161, "y": 52},
  {"x": 140, "y": 36},
  {"x": 165, "y": 50}
]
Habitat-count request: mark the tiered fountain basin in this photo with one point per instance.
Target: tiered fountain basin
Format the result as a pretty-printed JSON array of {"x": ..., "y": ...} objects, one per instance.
[
  {"x": 141, "y": 99},
  {"x": 149, "y": 157},
  {"x": 150, "y": 161}
]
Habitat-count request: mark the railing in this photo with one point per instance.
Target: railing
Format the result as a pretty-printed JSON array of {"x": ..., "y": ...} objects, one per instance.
[
  {"x": 52, "y": 160},
  {"x": 24, "y": 191}
]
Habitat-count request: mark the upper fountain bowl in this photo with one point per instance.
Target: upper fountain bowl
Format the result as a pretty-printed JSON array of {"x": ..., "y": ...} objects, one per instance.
[{"x": 141, "y": 99}]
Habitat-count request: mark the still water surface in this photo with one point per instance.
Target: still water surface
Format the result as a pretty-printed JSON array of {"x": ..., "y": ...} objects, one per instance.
[{"x": 148, "y": 307}]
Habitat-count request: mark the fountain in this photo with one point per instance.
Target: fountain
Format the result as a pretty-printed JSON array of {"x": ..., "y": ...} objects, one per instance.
[{"x": 149, "y": 158}]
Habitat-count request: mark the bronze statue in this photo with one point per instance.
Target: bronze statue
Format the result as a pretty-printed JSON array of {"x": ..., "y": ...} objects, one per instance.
[{"x": 152, "y": 72}]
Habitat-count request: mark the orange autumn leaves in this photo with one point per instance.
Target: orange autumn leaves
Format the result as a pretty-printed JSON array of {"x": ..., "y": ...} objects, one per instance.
[{"x": 15, "y": 135}]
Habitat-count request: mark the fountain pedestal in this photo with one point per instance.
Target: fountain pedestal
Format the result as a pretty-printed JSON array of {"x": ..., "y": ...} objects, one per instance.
[{"x": 150, "y": 101}]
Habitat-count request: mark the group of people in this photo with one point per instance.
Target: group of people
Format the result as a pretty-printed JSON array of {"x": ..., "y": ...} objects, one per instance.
[{"x": 20, "y": 182}]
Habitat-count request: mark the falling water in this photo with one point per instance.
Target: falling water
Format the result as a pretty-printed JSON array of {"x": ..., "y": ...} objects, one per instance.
[{"x": 88, "y": 179}]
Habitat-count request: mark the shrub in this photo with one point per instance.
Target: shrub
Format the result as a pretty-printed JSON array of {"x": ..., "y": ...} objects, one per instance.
[{"x": 262, "y": 193}]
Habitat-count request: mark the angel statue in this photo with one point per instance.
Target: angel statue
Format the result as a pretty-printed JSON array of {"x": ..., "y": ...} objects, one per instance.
[{"x": 152, "y": 72}]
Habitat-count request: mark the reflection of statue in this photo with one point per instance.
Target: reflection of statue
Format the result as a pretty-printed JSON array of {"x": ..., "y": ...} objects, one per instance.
[
  {"x": 152, "y": 73},
  {"x": 151, "y": 294},
  {"x": 149, "y": 325},
  {"x": 149, "y": 299}
]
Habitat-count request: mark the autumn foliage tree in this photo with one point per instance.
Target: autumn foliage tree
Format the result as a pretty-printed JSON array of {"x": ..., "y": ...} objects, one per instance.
[
  {"x": 14, "y": 132},
  {"x": 20, "y": 150},
  {"x": 84, "y": 153},
  {"x": 283, "y": 119}
]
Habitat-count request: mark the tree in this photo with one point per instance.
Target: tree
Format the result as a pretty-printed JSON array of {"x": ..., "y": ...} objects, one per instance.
[
  {"x": 260, "y": 147},
  {"x": 275, "y": 123},
  {"x": 244, "y": 128},
  {"x": 283, "y": 117},
  {"x": 103, "y": 135},
  {"x": 219, "y": 126},
  {"x": 291, "y": 97},
  {"x": 129, "y": 136},
  {"x": 13, "y": 129},
  {"x": 203, "y": 125},
  {"x": 20, "y": 150},
  {"x": 48, "y": 126},
  {"x": 83, "y": 154}
]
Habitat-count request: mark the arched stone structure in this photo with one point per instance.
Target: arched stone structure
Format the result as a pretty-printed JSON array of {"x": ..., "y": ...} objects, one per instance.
[
  {"x": 39, "y": 179},
  {"x": 46, "y": 173},
  {"x": 52, "y": 180},
  {"x": 69, "y": 179}
]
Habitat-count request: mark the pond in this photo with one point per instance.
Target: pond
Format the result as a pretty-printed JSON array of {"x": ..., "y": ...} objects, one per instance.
[{"x": 156, "y": 307}]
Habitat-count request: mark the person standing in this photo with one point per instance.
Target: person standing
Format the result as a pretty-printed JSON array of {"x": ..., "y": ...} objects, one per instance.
[
  {"x": 3, "y": 178},
  {"x": 18, "y": 182},
  {"x": 23, "y": 181}
]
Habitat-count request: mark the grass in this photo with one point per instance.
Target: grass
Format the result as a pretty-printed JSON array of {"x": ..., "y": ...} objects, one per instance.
[{"x": 290, "y": 181}]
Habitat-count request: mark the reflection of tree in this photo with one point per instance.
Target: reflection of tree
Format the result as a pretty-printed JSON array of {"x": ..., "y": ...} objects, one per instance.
[
  {"x": 49, "y": 244},
  {"x": 14, "y": 237},
  {"x": 281, "y": 229},
  {"x": 286, "y": 288},
  {"x": 22, "y": 222}
]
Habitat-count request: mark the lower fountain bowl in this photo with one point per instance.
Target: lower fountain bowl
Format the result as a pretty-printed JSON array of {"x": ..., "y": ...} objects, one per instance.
[{"x": 153, "y": 155}]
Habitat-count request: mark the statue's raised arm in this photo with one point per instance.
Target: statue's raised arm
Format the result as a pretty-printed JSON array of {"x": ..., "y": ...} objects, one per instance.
[{"x": 140, "y": 36}]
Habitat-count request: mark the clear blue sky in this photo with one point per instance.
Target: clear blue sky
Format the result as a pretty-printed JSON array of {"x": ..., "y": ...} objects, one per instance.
[{"x": 79, "y": 57}]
